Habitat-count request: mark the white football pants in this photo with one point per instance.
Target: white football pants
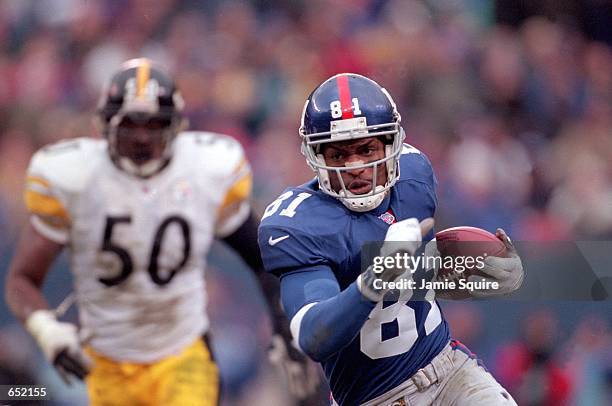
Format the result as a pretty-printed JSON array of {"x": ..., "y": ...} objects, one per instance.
[{"x": 452, "y": 378}]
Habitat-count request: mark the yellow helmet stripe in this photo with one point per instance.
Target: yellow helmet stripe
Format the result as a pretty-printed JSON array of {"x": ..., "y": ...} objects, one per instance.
[{"x": 143, "y": 74}]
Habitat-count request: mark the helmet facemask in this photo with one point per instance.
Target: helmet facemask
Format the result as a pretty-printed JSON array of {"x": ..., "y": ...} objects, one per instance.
[
  {"x": 141, "y": 144},
  {"x": 141, "y": 115},
  {"x": 354, "y": 129}
]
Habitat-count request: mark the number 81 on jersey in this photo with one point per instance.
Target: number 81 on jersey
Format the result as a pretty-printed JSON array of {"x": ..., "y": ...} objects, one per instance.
[{"x": 290, "y": 210}]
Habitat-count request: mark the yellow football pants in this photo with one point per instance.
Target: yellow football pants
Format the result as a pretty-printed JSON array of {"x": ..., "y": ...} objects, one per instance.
[{"x": 190, "y": 378}]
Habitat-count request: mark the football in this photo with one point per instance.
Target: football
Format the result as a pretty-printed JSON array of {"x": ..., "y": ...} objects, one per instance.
[{"x": 463, "y": 248}]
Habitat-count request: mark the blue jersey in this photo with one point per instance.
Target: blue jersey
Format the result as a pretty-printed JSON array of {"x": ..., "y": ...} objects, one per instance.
[{"x": 307, "y": 232}]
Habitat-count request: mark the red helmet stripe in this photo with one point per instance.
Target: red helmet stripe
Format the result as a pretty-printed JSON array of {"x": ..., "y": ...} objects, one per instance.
[{"x": 345, "y": 96}]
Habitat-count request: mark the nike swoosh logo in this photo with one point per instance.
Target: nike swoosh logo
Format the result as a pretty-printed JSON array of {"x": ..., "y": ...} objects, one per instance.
[{"x": 274, "y": 241}]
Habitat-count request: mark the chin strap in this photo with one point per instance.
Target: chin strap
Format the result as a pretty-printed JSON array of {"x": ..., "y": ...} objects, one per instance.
[
  {"x": 362, "y": 204},
  {"x": 145, "y": 170},
  {"x": 151, "y": 167}
]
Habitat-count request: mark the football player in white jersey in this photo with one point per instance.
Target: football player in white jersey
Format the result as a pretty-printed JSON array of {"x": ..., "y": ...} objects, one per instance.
[{"x": 138, "y": 211}]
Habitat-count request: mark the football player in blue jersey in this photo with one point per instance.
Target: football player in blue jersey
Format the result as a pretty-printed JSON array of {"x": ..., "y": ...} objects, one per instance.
[{"x": 370, "y": 186}]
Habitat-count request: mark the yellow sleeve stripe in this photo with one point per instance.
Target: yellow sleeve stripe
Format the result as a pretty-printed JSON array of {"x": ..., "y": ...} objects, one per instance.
[
  {"x": 38, "y": 180},
  {"x": 240, "y": 166},
  {"x": 45, "y": 206},
  {"x": 238, "y": 192}
]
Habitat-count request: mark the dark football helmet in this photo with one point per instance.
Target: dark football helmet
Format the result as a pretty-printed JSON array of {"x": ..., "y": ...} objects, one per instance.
[
  {"x": 346, "y": 107},
  {"x": 141, "y": 114}
]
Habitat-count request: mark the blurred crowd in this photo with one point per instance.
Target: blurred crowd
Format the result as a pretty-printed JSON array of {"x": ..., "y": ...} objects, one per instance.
[
  {"x": 545, "y": 358},
  {"x": 516, "y": 118}
]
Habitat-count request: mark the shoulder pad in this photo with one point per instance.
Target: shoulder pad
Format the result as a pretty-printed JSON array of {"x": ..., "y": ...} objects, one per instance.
[
  {"x": 299, "y": 230},
  {"x": 308, "y": 210},
  {"x": 220, "y": 165},
  {"x": 68, "y": 165},
  {"x": 415, "y": 166},
  {"x": 56, "y": 174},
  {"x": 219, "y": 154}
]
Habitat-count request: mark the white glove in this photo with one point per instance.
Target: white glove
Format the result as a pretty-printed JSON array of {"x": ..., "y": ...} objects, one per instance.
[
  {"x": 302, "y": 374},
  {"x": 60, "y": 343},
  {"x": 402, "y": 237},
  {"x": 507, "y": 272}
]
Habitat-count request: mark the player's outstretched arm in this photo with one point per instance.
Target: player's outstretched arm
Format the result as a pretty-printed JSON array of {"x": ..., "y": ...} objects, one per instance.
[
  {"x": 58, "y": 340},
  {"x": 244, "y": 242},
  {"x": 303, "y": 378},
  {"x": 323, "y": 319}
]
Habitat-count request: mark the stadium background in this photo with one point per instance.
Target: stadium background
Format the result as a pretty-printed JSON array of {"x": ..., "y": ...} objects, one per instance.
[{"x": 511, "y": 100}]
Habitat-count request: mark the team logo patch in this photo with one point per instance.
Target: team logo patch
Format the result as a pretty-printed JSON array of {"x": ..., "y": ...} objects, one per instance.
[
  {"x": 182, "y": 191},
  {"x": 387, "y": 217}
]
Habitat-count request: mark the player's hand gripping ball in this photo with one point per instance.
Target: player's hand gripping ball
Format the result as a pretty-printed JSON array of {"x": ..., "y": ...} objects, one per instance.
[{"x": 476, "y": 255}]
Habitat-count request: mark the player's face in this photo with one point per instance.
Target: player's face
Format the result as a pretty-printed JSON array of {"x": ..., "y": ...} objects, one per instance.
[
  {"x": 355, "y": 152},
  {"x": 141, "y": 141}
]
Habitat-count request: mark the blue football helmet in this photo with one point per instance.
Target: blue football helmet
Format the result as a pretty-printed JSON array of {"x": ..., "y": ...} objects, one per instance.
[{"x": 348, "y": 106}]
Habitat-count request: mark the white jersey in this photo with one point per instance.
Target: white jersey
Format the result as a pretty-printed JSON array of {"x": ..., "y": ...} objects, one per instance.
[{"x": 138, "y": 246}]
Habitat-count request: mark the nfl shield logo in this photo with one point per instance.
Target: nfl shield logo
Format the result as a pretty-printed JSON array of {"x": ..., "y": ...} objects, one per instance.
[{"x": 387, "y": 217}]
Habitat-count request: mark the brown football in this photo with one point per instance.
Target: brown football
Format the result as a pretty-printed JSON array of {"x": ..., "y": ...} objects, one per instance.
[{"x": 466, "y": 242}]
